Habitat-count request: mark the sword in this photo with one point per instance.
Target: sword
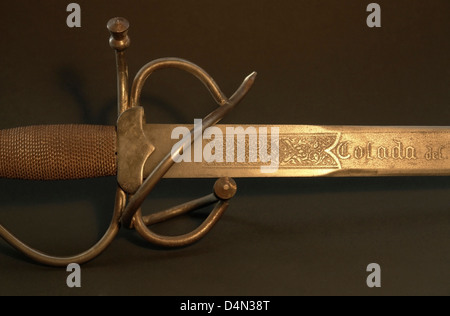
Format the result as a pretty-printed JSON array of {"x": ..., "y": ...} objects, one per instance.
[{"x": 141, "y": 154}]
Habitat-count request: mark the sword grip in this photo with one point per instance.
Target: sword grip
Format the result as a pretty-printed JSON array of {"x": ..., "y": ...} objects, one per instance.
[{"x": 58, "y": 152}]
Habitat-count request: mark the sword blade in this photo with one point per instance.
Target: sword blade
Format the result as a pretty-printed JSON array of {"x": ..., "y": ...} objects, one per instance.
[{"x": 308, "y": 151}]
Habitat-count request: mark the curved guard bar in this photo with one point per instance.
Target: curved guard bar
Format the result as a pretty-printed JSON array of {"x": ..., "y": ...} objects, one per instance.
[
  {"x": 179, "y": 210},
  {"x": 178, "y": 63},
  {"x": 182, "y": 240},
  {"x": 83, "y": 257},
  {"x": 224, "y": 189}
]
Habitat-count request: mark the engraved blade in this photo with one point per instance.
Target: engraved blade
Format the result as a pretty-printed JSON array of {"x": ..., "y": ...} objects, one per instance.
[{"x": 309, "y": 151}]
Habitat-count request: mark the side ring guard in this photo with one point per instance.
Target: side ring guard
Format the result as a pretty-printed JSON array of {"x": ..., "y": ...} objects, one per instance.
[{"x": 130, "y": 214}]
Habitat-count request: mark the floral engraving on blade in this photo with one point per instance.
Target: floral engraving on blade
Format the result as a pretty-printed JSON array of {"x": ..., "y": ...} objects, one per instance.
[{"x": 308, "y": 151}]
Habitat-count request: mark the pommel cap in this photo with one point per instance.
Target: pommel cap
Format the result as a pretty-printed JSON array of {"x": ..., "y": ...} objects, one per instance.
[{"x": 118, "y": 27}]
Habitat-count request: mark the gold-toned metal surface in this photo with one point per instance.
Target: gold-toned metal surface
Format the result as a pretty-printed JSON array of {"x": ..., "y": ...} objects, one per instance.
[{"x": 309, "y": 151}]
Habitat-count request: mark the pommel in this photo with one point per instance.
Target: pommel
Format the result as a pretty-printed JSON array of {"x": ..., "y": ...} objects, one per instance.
[{"x": 118, "y": 27}]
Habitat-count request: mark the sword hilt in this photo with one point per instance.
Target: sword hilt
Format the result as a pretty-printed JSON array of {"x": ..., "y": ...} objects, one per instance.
[{"x": 81, "y": 151}]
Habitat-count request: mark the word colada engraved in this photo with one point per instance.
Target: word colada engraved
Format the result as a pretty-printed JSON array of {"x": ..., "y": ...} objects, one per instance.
[{"x": 369, "y": 151}]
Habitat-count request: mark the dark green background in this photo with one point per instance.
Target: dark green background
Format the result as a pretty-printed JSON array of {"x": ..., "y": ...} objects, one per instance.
[{"x": 317, "y": 63}]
